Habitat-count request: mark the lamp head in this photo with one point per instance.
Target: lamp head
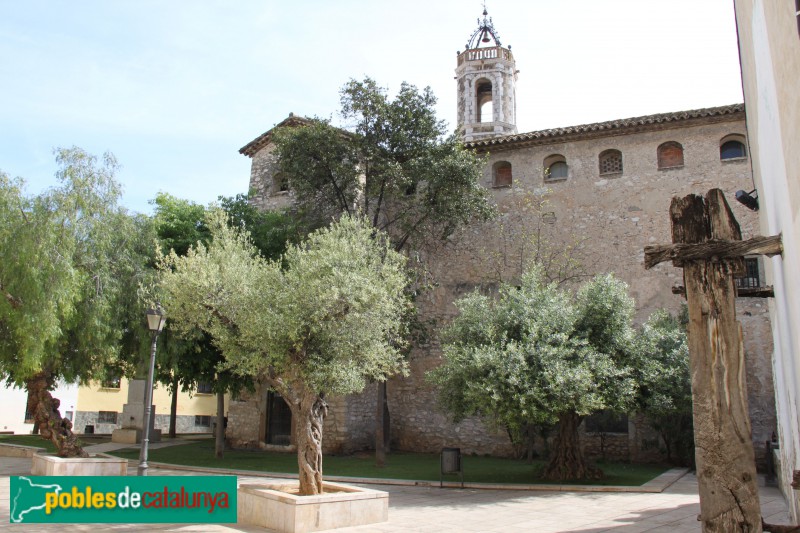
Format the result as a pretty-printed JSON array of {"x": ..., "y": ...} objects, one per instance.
[
  {"x": 747, "y": 200},
  {"x": 156, "y": 318}
]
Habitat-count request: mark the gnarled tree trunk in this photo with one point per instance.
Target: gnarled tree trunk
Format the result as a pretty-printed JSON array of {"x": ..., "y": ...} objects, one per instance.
[
  {"x": 219, "y": 434},
  {"x": 52, "y": 426},
  {"x": 173, "y": 408},
  {"x": 310, "y": 415},
  {"x": 566, "y": 457}
]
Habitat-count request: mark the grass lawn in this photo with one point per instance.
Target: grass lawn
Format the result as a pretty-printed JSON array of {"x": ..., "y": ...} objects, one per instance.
[
  {"x": 39, "y": 442},
  {"x": 414, "y": 466}
]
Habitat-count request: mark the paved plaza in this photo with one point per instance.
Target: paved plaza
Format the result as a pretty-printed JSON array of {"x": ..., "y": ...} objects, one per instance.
[{"x": 435, "y": 510}]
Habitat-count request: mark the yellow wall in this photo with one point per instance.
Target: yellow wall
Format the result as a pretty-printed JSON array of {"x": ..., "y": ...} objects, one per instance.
[{"x": 96, "y": 398}]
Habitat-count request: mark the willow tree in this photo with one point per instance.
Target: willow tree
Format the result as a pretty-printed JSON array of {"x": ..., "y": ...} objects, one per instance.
[
  {"x": 540, "y": 355},
  {"x": 325, "y": 320},
  {"x": 70, "y": 262}
]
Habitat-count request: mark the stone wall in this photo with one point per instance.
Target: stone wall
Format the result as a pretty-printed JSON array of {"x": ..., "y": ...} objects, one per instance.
[
  {"x": 348, "y": 427},
  {"x": 609, "y": 220},
  {"x": 264, "y": 192},
  {"x": 183, "y": 423}
]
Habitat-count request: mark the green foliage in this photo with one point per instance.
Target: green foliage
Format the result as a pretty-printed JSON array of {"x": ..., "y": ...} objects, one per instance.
[
  {"x": 180, "y": 224},
  {"x": 536, "y": 353},
  {"x": 665, "y": 394},
  {"x": 270, "y": 231},
  {"x": 394, "y": 165},
  {"x": 333, "y": 318},
  {"x": 71, "y": 261}
]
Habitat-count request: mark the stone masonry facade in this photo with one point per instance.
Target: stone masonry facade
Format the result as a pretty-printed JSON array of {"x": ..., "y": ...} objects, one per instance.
[
  {"x": 606, "y": 219},
  {"x": 596, "y": 194}
]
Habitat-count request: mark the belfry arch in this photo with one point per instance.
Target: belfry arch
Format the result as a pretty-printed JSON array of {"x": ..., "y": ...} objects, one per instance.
[{"x": 486, "y": 76}]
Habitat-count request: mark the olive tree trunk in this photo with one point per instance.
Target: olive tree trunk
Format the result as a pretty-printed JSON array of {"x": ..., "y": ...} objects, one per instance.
[
  {"x": 566, "y": 457},
  {"x": 52, "y": 426},
  {"x": 309, "y": 414},
  {"x": 173, "y": 408}
]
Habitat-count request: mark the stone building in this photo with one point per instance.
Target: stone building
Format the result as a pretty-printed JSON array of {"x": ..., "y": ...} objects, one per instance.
[{"x": 600, "y": 192}]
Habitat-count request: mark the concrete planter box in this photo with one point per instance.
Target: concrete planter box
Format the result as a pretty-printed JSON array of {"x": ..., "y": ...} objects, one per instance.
[
  {"x": 17, "y": 450},
  {"x": 97, "y": 465},
  {"x": 267, "y": 505}
]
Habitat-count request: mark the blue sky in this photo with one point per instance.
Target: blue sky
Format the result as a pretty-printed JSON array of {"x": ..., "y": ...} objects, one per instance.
[{"x": 174, "y": 89}]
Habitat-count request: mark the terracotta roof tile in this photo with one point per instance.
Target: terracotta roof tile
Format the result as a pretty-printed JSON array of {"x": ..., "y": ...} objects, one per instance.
[
  {"x": 611, "y": 127},
  {"x": 262, "y": 140}
]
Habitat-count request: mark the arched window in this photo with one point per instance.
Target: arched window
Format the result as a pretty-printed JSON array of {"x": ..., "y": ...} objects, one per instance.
[
  {"x": 555, "y": 168},
  {"x": 670, "y": 155},
  {"x": 611, "y": 162},
  {"x": 732, "y": 147},
  {"x": 502, "y": 174},
  {"x": 485, "y": 105}
]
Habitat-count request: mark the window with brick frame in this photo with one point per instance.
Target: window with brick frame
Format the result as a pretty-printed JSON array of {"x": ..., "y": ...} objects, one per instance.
[
  {"x": 610, "y": 162},
  {"x": 502, "y": 174},
  {"x": 670, "y": 155},
  {"x": 732, "y": 147},
  {"x": 555, "y": 168}
]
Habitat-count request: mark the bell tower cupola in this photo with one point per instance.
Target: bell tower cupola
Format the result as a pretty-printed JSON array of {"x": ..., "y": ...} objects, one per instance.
[{"x": 486, "y": 76}]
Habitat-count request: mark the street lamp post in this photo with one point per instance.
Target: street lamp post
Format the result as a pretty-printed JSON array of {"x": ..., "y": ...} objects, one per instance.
[{"x": 155, "y": 323}]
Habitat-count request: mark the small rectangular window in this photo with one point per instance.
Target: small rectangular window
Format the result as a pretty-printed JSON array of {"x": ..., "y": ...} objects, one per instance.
[
  {"x": 107, "y": 417},
  {"x": 204, "y": 388},
  {"x": 502, "y": 174},
  {"x": 203, "y": 421},
  {"x": 751, "y": 278}
]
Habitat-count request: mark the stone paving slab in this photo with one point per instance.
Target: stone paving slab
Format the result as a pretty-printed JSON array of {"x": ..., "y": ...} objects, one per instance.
[{"x": 435, "y": 510}]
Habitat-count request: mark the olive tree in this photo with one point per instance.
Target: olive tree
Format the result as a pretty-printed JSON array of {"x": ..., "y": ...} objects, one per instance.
[
  {"x": 392, "y": 162},
  {"x": 323, "y": 321},
  {"x": 540, "y": 355},
  {"x": 665, "y": 384}
]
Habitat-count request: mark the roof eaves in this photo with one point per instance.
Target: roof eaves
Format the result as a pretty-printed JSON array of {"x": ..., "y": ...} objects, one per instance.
[{"x": 601, "y": 128}]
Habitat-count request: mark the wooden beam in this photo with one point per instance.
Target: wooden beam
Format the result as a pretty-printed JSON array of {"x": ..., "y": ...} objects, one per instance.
[
  {"x": 741, "y": 292},
  {"x": 712, "y": 249}
]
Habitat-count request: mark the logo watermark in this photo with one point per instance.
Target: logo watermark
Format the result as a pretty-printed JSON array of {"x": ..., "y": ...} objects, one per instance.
[{"x": 122, "y": 499}]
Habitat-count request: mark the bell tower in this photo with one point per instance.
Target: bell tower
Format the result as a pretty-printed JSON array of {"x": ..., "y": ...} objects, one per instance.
[{"x": 486, "y": 76}]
